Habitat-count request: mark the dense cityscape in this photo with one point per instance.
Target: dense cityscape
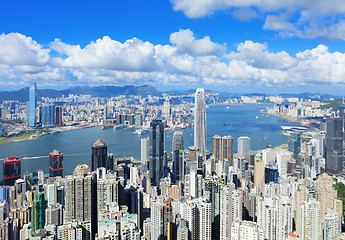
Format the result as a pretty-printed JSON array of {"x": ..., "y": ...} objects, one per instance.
[
  {"x": 172, "y": 119},
  {"x": 291, "y": 191}
]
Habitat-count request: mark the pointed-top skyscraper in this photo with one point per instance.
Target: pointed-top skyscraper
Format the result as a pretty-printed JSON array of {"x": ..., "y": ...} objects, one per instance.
[
  {"x": 100, "y": 156},
  {"x": 32, "y": 105},
  {"x": 200, "y": 122}
]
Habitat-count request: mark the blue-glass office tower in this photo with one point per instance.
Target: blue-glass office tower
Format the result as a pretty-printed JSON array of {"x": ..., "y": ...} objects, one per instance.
[
  {"x": 32, "y": 105},
  {"x": 156, "y": 152},
  {"x": 334, "y": 153},
  {"x": 271, "y": 173},
  {"x": 5, "y": 194},
  {"x": 48, "y": 117}
]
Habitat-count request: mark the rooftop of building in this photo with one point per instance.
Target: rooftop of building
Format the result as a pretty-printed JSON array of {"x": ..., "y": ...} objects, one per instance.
[{"x": 98, "y": 143}]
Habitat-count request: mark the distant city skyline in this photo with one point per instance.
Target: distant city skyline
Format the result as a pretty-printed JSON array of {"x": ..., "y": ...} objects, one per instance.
[{"x": 255, "y": 46}]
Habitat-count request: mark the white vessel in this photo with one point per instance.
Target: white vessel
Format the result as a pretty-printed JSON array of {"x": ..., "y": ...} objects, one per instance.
[{"x": 141, "y": 131}]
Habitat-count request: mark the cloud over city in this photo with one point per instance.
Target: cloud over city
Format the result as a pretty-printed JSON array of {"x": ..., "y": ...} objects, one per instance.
[{"x": 188, "y": 60}]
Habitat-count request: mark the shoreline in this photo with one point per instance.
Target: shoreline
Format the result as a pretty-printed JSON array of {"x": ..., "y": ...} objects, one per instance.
[
  {"x": 9, "y": 140},
  {"x": 72, "y": 128}
]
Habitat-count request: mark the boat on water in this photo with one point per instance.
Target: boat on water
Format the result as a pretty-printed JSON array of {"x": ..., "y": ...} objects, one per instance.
[
  {"x": 105, "y": 126},
  {"x": 263, "y": 139},
  {"x": 117, "y": 127},
  {"x": 141, "y": 131},
  {"x": 26, "y": 158},
  {"x": 268, "y": 145}
]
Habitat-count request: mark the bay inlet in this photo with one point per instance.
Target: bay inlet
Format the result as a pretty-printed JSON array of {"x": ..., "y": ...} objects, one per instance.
[{"x": 237, "y": 120}]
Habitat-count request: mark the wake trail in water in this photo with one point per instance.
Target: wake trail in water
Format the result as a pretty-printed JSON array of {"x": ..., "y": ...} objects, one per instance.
[{"x": 41, "y": 157}]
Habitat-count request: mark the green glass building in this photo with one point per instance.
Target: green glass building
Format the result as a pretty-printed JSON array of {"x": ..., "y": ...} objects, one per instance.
[{"x": 38, "y": 212}]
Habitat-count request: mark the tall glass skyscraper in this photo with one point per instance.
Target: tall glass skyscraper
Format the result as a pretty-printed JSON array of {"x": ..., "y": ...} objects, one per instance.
[
  {"x": 144, "y": 153},
  {"x": 178, "y": 156},
  {"x": 58, "y": 116},
  {"x": 200, "y": 122},
  {"x": 32, "y": 105},
  {"x": 48, "y": 117},
  {"x": 156, "y": 151},
  {"x": 334, "y": 154}
]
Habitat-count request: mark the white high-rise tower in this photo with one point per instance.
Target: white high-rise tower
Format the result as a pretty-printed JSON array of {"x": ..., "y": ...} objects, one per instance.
[
  {"x": 243, "y": 147},
  {"x": 200, "y": 122}
]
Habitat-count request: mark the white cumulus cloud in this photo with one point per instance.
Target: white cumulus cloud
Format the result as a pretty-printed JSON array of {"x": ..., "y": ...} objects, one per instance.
[
  {"x": 132, "y": 55},
  {"x": 301, "y": 18},
  {"x": 109, "y": 62},
  {"x": 186, "y": 43},
  {"x": 17, "y": 49},
  {"x": 257, "y": 55}
]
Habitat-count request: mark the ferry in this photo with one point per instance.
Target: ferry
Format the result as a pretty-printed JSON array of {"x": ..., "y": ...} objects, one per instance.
[
  {"x": 141, "y": 131},
  {"x": 117, "y": 127},
  {"x": 105, "y": 126}
]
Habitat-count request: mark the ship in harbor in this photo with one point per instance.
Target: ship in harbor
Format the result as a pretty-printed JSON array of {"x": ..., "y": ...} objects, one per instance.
[
  {"x": 117, "y": 127},
  {"x": 106, "y": 126},
  {"x": 141, "y": 131}
]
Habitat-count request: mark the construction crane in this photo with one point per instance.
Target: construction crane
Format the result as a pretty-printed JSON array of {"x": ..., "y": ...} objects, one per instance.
[{"x": 292, "y": 137}]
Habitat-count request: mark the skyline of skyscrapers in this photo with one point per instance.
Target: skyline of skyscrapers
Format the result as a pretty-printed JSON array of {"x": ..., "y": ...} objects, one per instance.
[
  {"x": 44, "y": 115},
  {"x": 200, "y": 122},
  {"x": 251, "y": 196}
]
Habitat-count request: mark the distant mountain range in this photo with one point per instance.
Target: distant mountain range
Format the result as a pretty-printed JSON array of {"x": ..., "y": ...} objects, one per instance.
[
  {"x": 144, "y": 90},
  {"x": 103, "y": 91}
]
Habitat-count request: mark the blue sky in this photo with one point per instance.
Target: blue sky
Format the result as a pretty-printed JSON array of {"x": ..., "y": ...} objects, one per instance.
[{"x": 238, "y": 46}]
